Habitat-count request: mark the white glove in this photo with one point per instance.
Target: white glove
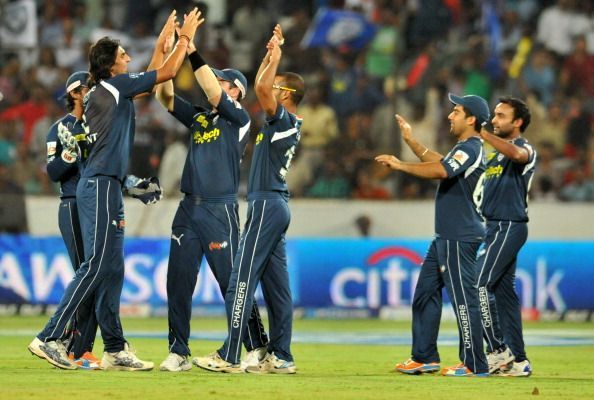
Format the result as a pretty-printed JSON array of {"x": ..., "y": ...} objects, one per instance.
[{"x": 70, "y": 148}]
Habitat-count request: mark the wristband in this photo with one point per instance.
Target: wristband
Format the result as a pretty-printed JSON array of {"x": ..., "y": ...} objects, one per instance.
[
  {"x": 196, "y": 60},
  {"x": 184, "y": 36}
]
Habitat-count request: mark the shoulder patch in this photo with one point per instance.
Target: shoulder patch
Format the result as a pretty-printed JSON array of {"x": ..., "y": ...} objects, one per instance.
[
  {"x": 461, "y": 157},
  {"x": 51, "y": 148}
]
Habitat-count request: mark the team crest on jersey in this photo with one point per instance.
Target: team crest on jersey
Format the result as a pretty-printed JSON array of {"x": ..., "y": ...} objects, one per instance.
[
  {"x": 217, "y": 246},
  {"x": 259, "y": 138}
]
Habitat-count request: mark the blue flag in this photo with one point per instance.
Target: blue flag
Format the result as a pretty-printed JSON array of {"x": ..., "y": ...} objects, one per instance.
[{"x": 333, "y": 28}]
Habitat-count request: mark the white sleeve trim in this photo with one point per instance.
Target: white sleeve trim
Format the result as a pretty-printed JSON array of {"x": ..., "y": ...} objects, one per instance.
[
  {"x": 111, "y": 89},
  {"x": 284, "y": 134},
  {"x": 244, "y": 130}
]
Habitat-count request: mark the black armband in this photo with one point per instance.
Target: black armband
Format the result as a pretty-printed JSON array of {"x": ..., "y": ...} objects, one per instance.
[{"x": 196, "y": 60}]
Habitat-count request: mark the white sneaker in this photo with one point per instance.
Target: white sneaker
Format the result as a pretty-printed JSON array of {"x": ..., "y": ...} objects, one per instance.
[
  {"x": 214, "y": 362},
  {"x": 273, "y": 365},
  {"x": 175, "y": 363},
  {"x": 253, "y": 358},
  {"x": 500, "y": 360},
  {"x": 125, "y": 360},
  {"x": 521, "y": 369},
  {"x": 53, "y": 352}
]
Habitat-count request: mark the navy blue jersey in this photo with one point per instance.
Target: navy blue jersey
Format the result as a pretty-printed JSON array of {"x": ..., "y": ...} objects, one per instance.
[
  {"x": 457, "y": 203},
  {"x": 507, "y": 184},
  {"x": 275, "y": 147},
  {"x": 58, "y": 170},
  {"x": 217, "y": 142},
  {"x": 109, "y": 114}
]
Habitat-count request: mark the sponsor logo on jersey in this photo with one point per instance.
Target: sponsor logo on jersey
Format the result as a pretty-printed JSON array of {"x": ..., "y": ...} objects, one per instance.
[
  {"x": 493, "y": 172},
  {"x": 202, "y": 120},
  {"x": 217, "y": 246},
  {"x": 206, "y": 137},
  {"x": 453, "y": 164},
  {"x": 259, "y": 138},
  {"x": 500, "y": 157}
]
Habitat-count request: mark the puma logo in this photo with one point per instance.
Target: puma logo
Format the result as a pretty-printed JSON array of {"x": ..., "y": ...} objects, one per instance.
[{"x": 177, "y": 239}]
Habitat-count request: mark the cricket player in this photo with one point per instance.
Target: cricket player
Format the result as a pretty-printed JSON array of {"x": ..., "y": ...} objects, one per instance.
[
  {"x": 459, "y": 231},
  {"x": 261, "y": 257},
  {"x": 109, "y": 115},
  {"x": 510, "y": 169},
  {"x": 207, "y": 222},
  {"x": 65, "y": 139}
]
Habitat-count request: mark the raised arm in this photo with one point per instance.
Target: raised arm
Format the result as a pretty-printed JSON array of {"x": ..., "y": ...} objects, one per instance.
[
  {"x": 421, "y": 151},
  {"x": 165, "y": 90},
  {"x": 169, "y": 68},
  {"x": 518, "y": 154},
  {"x": 204, "y": 75},
  {"x": 267, "y": 72}
]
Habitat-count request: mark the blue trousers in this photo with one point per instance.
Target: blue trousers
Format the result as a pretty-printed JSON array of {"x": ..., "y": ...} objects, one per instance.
[
  {"x": 451, "y": 264},
  {"x": 500, "y": 306},
  {"x": 83, "y": 328},
  {"x": 101, "y": 214},
  {"x": 261, "y": 258},
  {"x": 210, "y": 229}
]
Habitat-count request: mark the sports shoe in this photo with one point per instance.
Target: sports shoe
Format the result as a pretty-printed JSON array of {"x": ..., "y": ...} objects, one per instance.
[
  {"x": 54, "y": 352},
  {"x": 125, "y": 360},
  {"x": 87, "y": 361},
  {"x": 461, "y": 370},
  {"x": 175, "y": 363},
  {"x": 214, "y": 362},
  {"x": 271, "y": 364},
  {"x": 500, "y": 359},
  {"x": 253, "y": 358},
  {"x": 412, "y": 367},
  {"x": 521, "y": 369}
]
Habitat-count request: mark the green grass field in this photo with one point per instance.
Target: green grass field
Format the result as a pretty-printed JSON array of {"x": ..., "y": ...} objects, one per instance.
[{"x": 325, "y": 371}]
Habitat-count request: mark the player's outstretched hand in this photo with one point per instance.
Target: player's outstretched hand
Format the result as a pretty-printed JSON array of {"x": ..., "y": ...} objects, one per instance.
[
  {"x": 405, "y": 128},
  {"x": 278, "y": 35},
  {"x": 69, "y": 145},
  {"x": 146, "y": 190},
  {"x": 166, "y": 37},
  {"x": 388, "y": 160},
  {"x": 192, "y": 21}
]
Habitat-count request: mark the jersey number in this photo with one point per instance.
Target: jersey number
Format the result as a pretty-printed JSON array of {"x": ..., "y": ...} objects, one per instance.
[{"x": 289, "y": 154}]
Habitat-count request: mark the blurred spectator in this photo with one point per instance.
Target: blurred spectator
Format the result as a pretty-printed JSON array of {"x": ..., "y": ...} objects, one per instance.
[
  {"x": 29, "y": 111},
  {"x": 577, "y": 73},
  {"x": 318, "y": 129},
  {"x": 538, "y": 76},
  {"x": 548, "y": 124},
  {"x": 581, "y": 189},
  {"x": 330, "y": 184},
  {"x": 558, "y": 24}
]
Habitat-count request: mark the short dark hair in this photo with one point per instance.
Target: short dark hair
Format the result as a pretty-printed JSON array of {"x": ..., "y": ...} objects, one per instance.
[
  {"x": 521, "y": 110},
  {"x": 294, "y": 81},
  {"x": 102, "y": 56},
  {"x": 468, "y": 113}
]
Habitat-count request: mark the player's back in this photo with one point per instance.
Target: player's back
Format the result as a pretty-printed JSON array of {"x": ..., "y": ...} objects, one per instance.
[
  {"x": 273, "y": 151},
  {"x": 507, "y": 184},
  {"x": 109, "y": 114},
  {"x": 457, "y": 202}
]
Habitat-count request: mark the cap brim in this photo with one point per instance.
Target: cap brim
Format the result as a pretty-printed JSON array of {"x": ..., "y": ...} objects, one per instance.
[
  {"x": 455, "y": 99},
  {"x": 221, "y": 74}
]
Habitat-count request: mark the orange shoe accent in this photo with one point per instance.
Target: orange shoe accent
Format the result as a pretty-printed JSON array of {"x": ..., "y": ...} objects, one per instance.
[
  {"x": 86, "y": 361},
  {"x": 412, "y": 367}
]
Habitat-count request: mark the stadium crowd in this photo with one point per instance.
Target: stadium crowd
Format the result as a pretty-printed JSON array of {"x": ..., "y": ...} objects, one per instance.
[{"x": 542, "y": 51}]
